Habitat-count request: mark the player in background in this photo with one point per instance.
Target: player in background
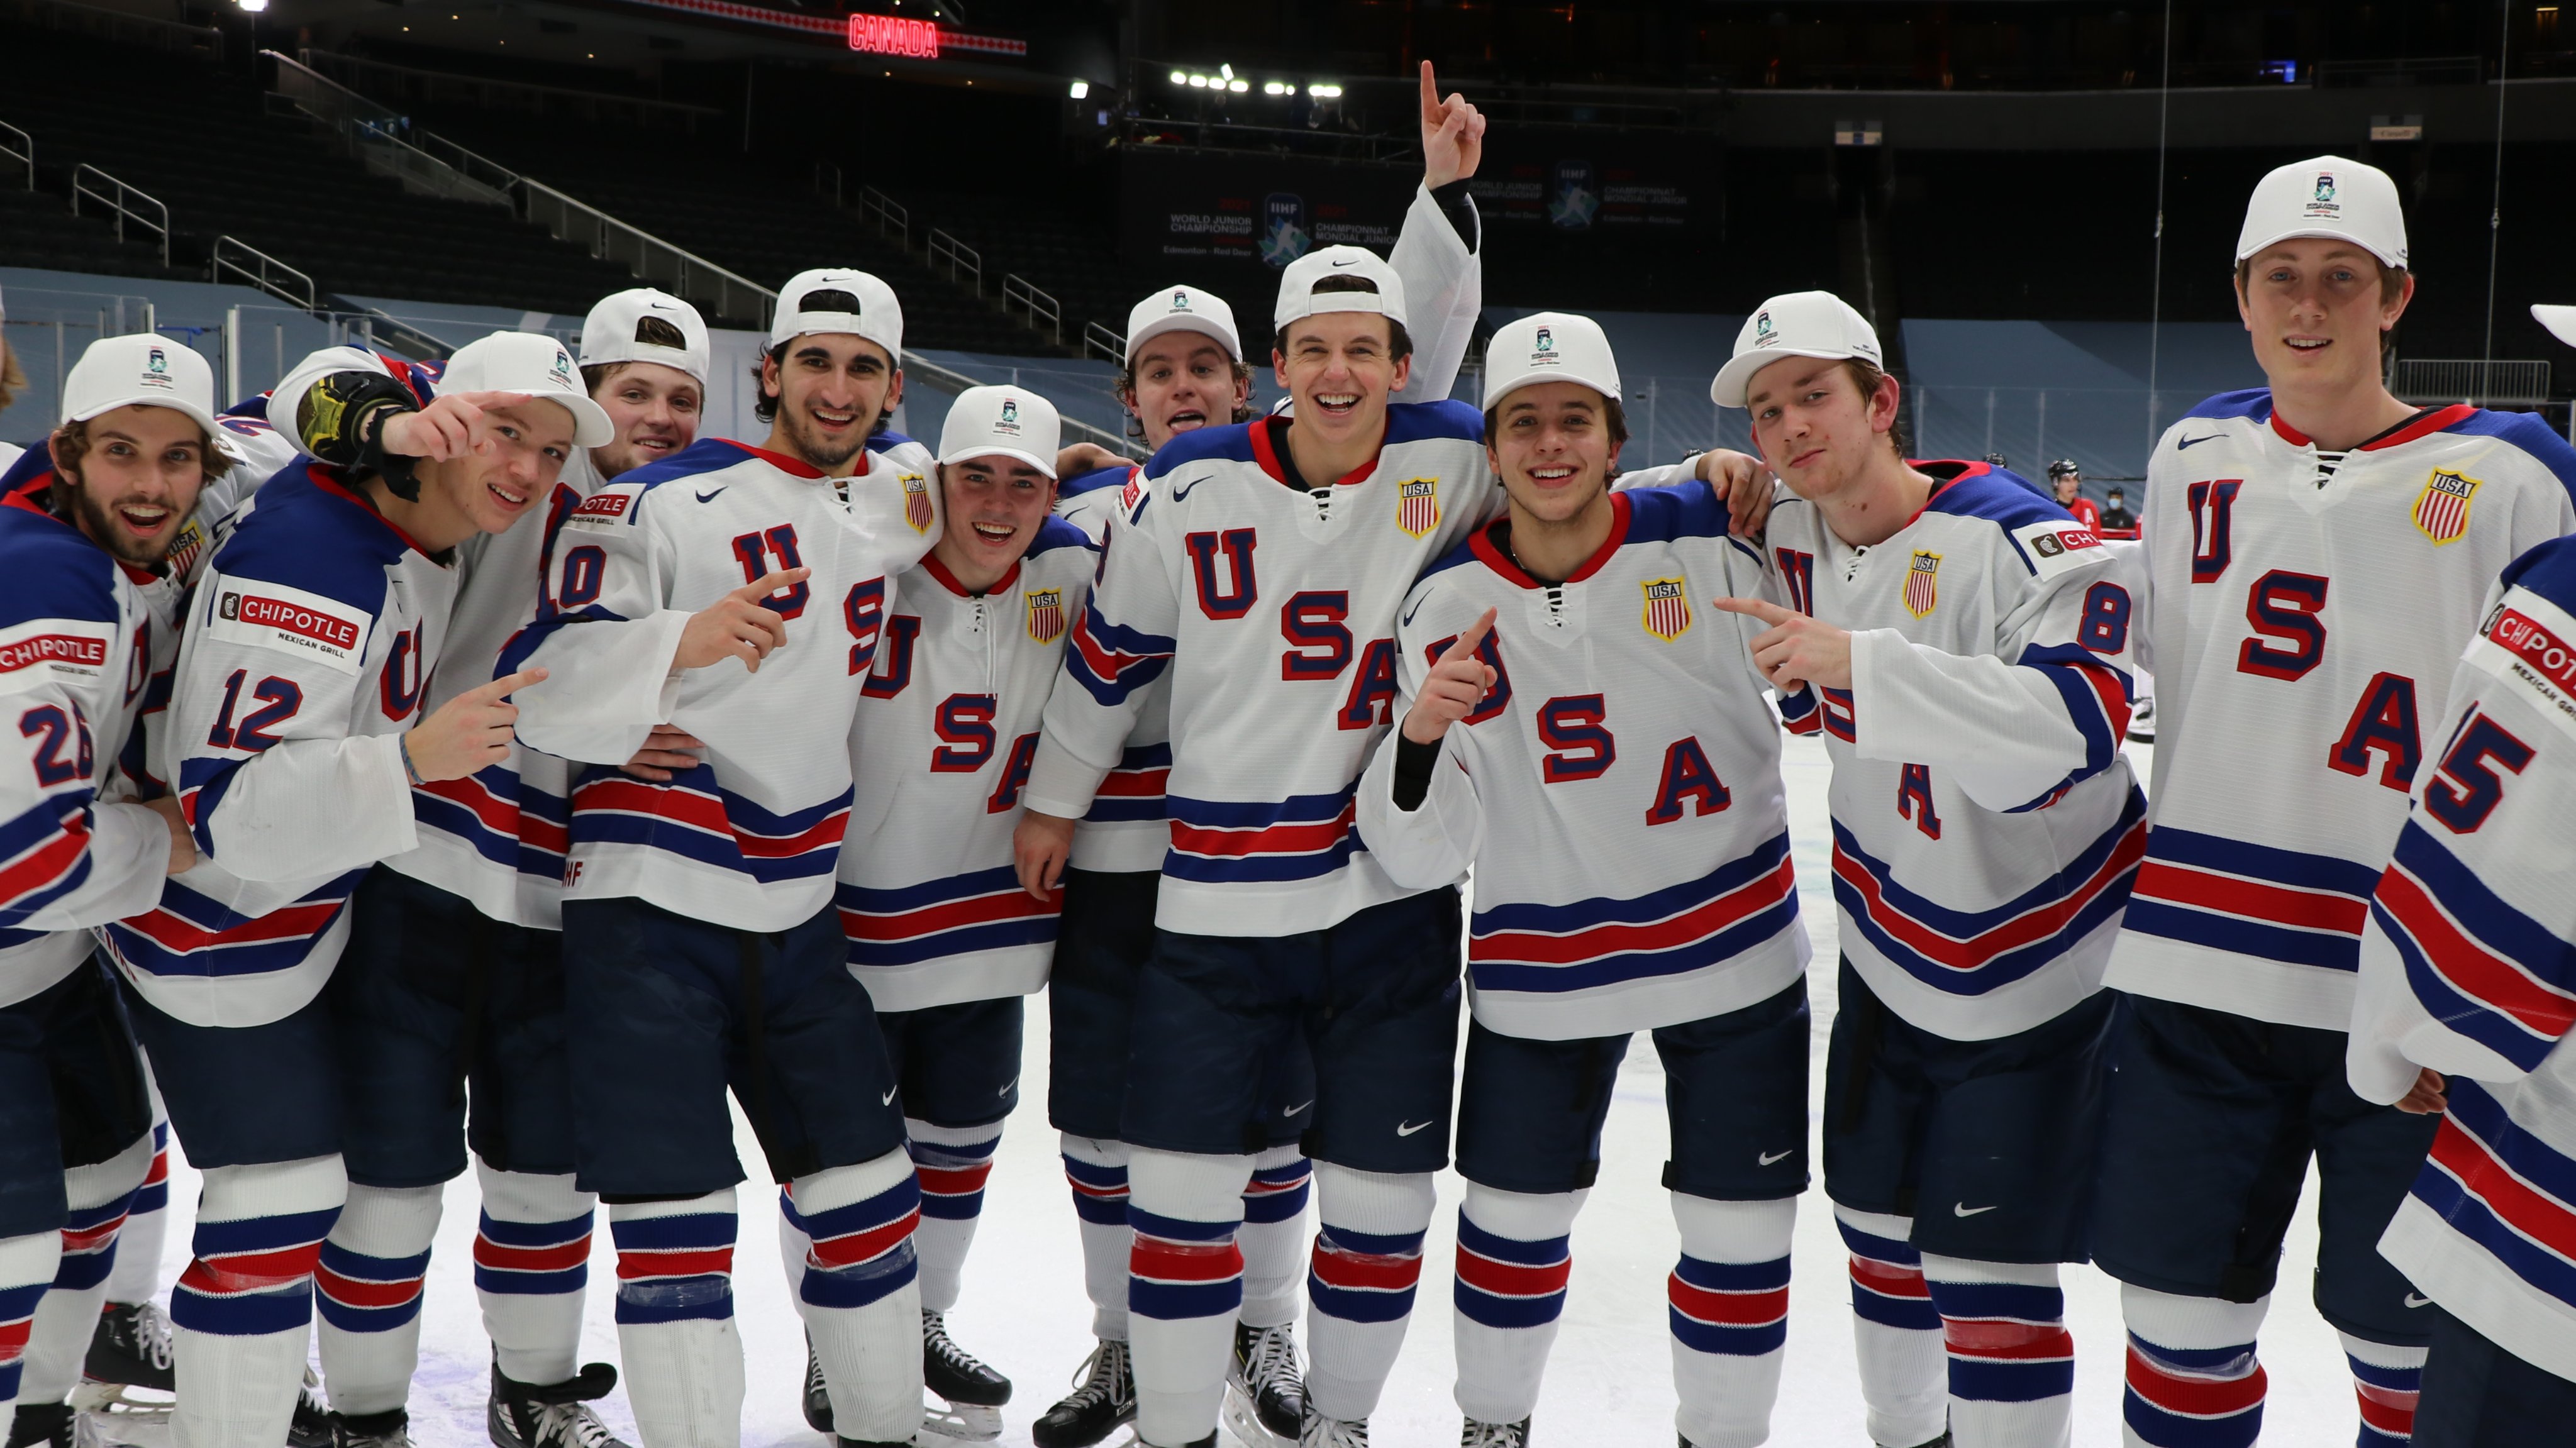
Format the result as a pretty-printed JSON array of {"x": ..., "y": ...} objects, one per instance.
[
  {"x": 2468, "y": 969},
  {"x": 85, "y": 522},
  {"x": 736, "y": 593},
  {"x": 2067, "y": 481},
  {"x": 1616, "y": 889},
  {"x": 939, "y": 930},
  {"x": 1964, "y": 648},
  {"x": 2291, "y": 673},
  {"x": 2116, "y": 517},
  {"x": 453, "y": 973},
  {"x": 297, "y": 732}
]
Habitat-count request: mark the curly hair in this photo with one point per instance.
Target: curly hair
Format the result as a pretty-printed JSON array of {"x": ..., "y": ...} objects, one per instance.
[{"x": 71, "y": 442}]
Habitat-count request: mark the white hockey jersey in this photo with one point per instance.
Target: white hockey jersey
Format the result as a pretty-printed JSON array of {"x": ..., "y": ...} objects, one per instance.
[
  {"x": 946, "y": 732},
  {"x": 2296, "y": 623},
  {"x": 1275, "y": 608},
  {"x": 750, "y": 838},
  {"x": 1617, "y": 792},
  {"x": 307, "y": 646},
  {"x": 2468, "y": 965},
  {"x": 1986, "y": 824},
  {"x": 76, "y": 639},
  {"x": 1127, "y": 829}
]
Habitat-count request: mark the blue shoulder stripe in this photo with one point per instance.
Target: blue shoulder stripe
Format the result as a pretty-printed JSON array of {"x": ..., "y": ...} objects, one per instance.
[
  {"x": 886, "y": 441},
  {"x": 1230, "y": 443},
  {"x": 2524, "y": 430},
  {"x": 255, "y": 405},
  {"x": 1417, "y": 421},
  {"x": 1056, "y": 533},
  {"x": 1464, "y": 552},
  {"x": 2548, "y": 570},
  {"x": 2000, "y": 498},
  {"x": 706, "y": 455},
  {"x": 2253, "y": 402},
  {"x": 304, "y": 537},
  {"x": 1114, "y": 476},
  {"x": 1683, "y": 510},
  {"x": 54, "y": 570}
]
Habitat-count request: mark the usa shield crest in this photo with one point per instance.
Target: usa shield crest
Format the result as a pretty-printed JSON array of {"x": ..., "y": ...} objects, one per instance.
[
  {"x": 916, "y": 502},
  {"x": 1046, "y": 614},
  {"x": 1922, "y": 583},
  {"x": 1417, "y": 505},
  {"x": 2442, "y": 509},
  {"x": 1668, "y": 614}
]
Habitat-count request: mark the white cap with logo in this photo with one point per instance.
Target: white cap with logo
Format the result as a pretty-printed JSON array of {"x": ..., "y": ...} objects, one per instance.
[
  {"x": 1549, "y": 347},
  {"x": 1011, "y": 421},
  {"x": 2328, "y": 196},
  {"x": 2560, "y": 320},
  {"x": 1298, "y": 297},
  {"x": 613, "y": 332},
  {"x": 145, "y": 369},
  {"x": 536, "y": 365},
  {"x": 837, "y": 299},
  {"x": 1794, "y": 324},
  {"x": 1182, "y": 309}
]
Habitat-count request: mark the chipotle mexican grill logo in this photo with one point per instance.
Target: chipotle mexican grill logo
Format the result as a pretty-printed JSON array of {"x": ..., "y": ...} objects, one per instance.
[
  {"x": 71, "y": 649},
  {"x": 289, "y": 618}
]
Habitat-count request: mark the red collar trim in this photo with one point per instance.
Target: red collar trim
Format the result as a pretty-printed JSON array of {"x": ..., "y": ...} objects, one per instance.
[
  {"x": 931, "y": 564},
  {"x": 2431, "y": 420},
  {"x": 327, "y": 483},
  {"x": 1488, "y": 545},
  {"x": 2287, "y": 433},
  {"x": 1267, "y": 442},
  {"x": 793, "y": 467}
]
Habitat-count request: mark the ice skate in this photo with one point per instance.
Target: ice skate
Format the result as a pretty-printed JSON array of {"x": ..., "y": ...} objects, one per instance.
[
  {"x": 1103, "y": 1401},
  {"x": 42, "y": 1425},
  {"x": 1499, "y": 1435},
  {"x": 974, "y": 1392},
  {"x": 388, "y": 1429},
  {"x": 313, "y": 1425},
  {"x": 1265, "y": 1397},
  {"x": 818, "y": 1397},
  {"x": 553, "y": 1415},
  {"x": 1322, "y": 1432},
  {"x": 126, "y": 1387}
]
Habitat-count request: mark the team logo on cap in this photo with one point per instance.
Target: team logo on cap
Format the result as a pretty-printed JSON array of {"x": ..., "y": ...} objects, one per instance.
[
  {"x": 561, "y": 372},
  {"x": 1546, "y": 341},
  {"x": 1922, "y": 583},
  {"x": 2442, "y": 509},
  {"x": 1046, "y": 614},
  {"x": 2321, "y": 202},
  {"x": 1763, "y": 336},
  {"x": 916, "y": 502},
  {"x": 1181, "y": 300},
  {"x": 156, "y": 370},
  {"x": 156, "y": 361},
  {"x": 1668, "y": 614},
  {"x": 1417, "y": 505},
  {"x": 1009, "y": 421}
]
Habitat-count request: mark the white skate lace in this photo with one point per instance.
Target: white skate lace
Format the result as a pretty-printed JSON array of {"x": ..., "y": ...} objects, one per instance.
[
  {"x": 152, "y": 1334},
  {"x": 1096, "y": 1381},
  {"x": 934, "y": 1336},
  {"x": 1492, "y": 1435},
  {"x": 1323, "y": 1432},
  {"x": 1272, "y": 1356},
  {"x": 573, "y": 1425}
]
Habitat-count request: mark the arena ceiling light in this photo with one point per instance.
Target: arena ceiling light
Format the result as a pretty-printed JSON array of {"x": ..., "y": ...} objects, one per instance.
[
  {"x": 1079, "y": 90},
  {"x": 1323, "y": 90}
]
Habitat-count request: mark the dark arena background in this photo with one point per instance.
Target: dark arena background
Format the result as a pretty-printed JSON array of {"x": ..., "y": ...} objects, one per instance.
[{"x": 2035, "y": 203}]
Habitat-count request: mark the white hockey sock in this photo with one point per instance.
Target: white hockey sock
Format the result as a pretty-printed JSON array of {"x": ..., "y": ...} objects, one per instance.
[
  {"x": 2386, "y": 1379},
  {"x": 1513, "y": 1261},
  {"x": 1096, "y": 1171},
  {"x": 1273, "y": 1236},
  {"x": 367, "y": 1288},
  {"x": 531, "y": 1266},
  {"x": 27, "y": 1267},
  {"x": 99, "y": 1196},
  {"x": 1904, "y": 1373},
  {"x": 2012, "y": 1362},
  {"x": 136, "y": 1277},
  {"x": 2192, "y": 1376},
  {"x": 1184, "y": 1287},
  {"x": 1367, "y": 1260},
  {"x": 860, "y": 1295},
  {"x": 242, "y": 1314},
  {"x": 675, "y": 1329},
  {"x": 1730, "y": 1317},
  {"x": 951, "y": 1163}
]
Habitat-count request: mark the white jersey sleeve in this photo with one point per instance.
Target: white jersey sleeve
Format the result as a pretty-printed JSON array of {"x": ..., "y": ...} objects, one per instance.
[
  {"x": 608, "y": 638},
  {"x": 1443, "y": 275}
]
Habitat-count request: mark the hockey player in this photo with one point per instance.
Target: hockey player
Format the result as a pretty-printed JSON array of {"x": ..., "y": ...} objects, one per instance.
[
  {"x": 2067, "y": 481},
  {"x": 2291, "y": 676},
  {"x": 85, "y": 522},
  {"x": 453, "y": 973},
  {"x": 2468, "y": 965},
  {"x": 1964, "y": 648},
  {"x": 1185, "y": 369},
  {"x": 1616, "y": 889},
  {"x": 297, "y": 732},
  {"x": 737, "y": 593}
]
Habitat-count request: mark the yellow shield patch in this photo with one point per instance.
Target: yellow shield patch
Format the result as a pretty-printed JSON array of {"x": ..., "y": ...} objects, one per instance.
[
  {"x": 1417, "y": 505},
  {"x": 1046, "y": 614},
  {"x": 2442, "y": 509},
  {"x": 1668, "y": 614},
  {"x": 916, "y": 502},
  {"x": 1922, "y": 583}
]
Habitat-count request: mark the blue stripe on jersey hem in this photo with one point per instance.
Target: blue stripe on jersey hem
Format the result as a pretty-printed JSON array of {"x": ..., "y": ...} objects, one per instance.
[
  {"x": 2261, "y": 862},
  {"x": 2238, "y": 936}
]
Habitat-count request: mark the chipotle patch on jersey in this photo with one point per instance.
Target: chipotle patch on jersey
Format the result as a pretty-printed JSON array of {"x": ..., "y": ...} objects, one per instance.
[
  {"x": 601, "y": 508},
  {"x": 52, "y": 651},
  {"x": 2057, "y": 544},
  {"x": 2530, "y": 641},
  {"x": 289, "y": 620}
]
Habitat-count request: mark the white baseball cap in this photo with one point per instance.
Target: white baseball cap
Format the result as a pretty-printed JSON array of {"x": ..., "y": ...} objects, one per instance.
[
  {"x": 1549, "y": 347},
  {"x": 2327, "y": 196},
  {"x": 536, "y": 365},
  {"x": 865, "y": 308},
  {"x": 1795, "y": 324},
  {"x": 1298, "y": 297},
  {"x": 1182, "y": 309},
  {"x": 2560, "y": 320},
  {"x": 608, "y": 334},
  {"x": 144, "y": 369},
  {"x": 1011, "y": 421}
]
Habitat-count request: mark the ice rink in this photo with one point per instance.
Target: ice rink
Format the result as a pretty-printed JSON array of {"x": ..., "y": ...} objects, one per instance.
[{"x": 1608, "y": 1383}]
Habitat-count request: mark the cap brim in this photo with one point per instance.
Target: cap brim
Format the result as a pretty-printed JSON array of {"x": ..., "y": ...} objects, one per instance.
[
  {"x": 198, "y": 415},
  {"x": 2318, "y": 233},
  {"x": 1044, "y": 465},
  {"x": 1728, "y": 387},
  {"x": 671, "y": 357},
  {"x": 1494, "y": 396},
  {"x": 2560, "y": 320},
  {"x": 1161, "y": 326},
  {"x": 590, "y": 424}
]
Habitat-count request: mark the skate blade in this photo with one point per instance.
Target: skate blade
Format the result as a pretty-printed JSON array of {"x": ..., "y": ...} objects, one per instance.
[
  {"x": 959, "y": 1423},
  {"x": 121, "y": 1428},
  {"x": 1245, "y": 1424}
]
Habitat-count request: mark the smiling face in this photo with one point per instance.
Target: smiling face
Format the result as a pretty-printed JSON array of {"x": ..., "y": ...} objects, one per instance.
[
  {"x": 1815, "y": 427},
  {"x": 830, "y": 388},
  {"x": 1185, "y": 380},
  {"x": 1553, "y": 447},
  {"x": 1340, "y": 367},
  {"x": 135, "y": 486},
  {"x": 655, "y": 409},
  {"x": 487, "y": 492},
  {"x": 2316, "y": 308},
  {"x": 995, "y": 506}
]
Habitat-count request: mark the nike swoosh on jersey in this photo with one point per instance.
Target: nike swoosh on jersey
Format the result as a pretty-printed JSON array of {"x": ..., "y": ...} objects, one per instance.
[
  {"x": 1417, "y": 608},
  {"x": 1962, "y": 1209},
  {"x": 1179, "y": 492},
  {"x": 2414, "y": 1300},
  {"x": 1403, "y": 1130},
  {"x": 888, "y": 1098},
  {"x": 2183, "y": 442},
  {"x": 711, "y": 497},
  {"x": 1300, "y": 1106},
  {"x": 1768, "y": 1157}
]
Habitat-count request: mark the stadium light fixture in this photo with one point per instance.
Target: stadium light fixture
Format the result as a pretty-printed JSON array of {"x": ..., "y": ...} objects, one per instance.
[
  {"x": 1079, "y": 89},
  {"x": 1225, "y": 71},
  {"x": 1238, "y": 86},
  {"x": 1198, "y": 82},
  {"x": 253, "y": 7},
  {"x": 1273, "y": 88},
  {"x": 1323, "y": 90},
  {"x": 1180, "y": 77}
]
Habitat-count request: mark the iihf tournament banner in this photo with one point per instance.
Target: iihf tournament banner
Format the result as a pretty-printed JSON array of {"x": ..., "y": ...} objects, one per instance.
[{"x": 1248, "y": 213}]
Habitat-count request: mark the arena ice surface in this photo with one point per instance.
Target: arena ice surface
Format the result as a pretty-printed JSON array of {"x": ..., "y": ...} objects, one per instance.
[{"x": 1609, "y": 1381}]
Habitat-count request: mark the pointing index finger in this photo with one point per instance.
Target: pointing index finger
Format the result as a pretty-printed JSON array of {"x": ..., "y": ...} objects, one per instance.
[
  {"x": 507, "y": 684},
  {"x": 1763, "y": 609},
  {"x": 1467, "y": 643},
  {"x": 762, "y": 587},
  {"x": 1430, "y": 96}
]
